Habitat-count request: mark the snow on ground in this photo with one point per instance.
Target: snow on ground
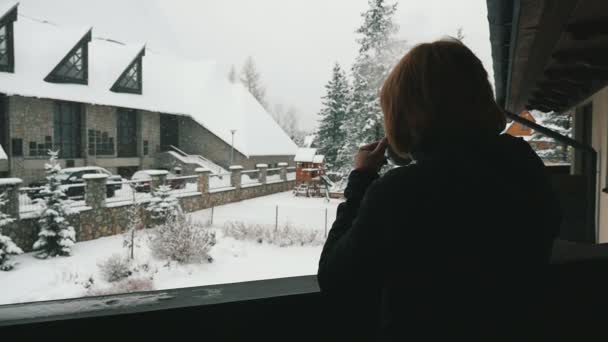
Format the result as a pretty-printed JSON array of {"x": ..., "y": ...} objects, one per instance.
[
  {"x": 302, "y": 212},
  {"x": 234, "y": 261}
]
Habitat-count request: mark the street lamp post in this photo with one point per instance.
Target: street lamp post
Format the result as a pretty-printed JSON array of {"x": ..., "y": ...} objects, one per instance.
[{"x": 232, "y": 131}]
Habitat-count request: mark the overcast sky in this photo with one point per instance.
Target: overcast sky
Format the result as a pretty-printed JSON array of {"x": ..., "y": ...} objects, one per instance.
[{"x": 293, "y": 42}]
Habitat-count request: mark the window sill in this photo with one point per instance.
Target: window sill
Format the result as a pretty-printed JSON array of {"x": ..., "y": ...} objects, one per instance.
[{"x": 87, "y": 307}]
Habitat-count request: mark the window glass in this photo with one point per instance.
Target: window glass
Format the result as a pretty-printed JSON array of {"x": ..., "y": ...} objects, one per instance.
[
  {"x": 220, "y": 100},
  {"x": 3, "y": 46},
  {"x": 67, "y": 129}
]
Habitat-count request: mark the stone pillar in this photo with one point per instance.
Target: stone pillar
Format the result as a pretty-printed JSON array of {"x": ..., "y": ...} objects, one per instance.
[
  {"x": 235, "y": 176},
  {"x": 10, "y": 186},
  {"x": 283, "y": 167},
  {"x": 203, "y": 179},
  {"x": 95, "y": 190},
  {"x": 263, "y": 172},
  {"x": 159, "y": 177}
]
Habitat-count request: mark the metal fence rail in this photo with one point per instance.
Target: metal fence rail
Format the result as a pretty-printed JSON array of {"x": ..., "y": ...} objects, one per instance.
[
  {"x": 32, "y": 199},
  {"x": 250, "y": 177},
  {"x": 183, "y": 185},
  {"x": 219, "y": 180},
  {"x": 273, "y": 175},
  {"x": 291, "y": 173},
  {"x": 130, "y": 191}
]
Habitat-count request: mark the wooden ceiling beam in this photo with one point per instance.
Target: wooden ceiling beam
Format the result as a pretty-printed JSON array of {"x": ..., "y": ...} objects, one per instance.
[
  {"x": 549, "y": 101},
  {"x": 564, "y": 86},
  {"x": 577, "y": 73},
  {"x": 591, "y": 57},
  {"x": 588, "y": 29}
]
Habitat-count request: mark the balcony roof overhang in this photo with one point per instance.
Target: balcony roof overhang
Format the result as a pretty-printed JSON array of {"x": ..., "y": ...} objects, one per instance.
[{"x": 548, "y": 55}]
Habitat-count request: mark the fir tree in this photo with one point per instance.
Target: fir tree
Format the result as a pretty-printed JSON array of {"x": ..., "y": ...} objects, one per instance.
[
  {"x": 163, "y": 204},
  {"x": 330, "y": 135},
  {"x": 56, "y": 236},
  {"x": 379, "y": 51},
  {"x": 251, "y": 79},
  {"x": 460, "y": 34},
  {"x": 232, "y": 75},
  {"x": 560, "y": 123},
  {"x": 7, "y": 247}
]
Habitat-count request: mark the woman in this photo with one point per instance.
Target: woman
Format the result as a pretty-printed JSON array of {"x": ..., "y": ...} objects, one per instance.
[{"x": 447, "y": 245}]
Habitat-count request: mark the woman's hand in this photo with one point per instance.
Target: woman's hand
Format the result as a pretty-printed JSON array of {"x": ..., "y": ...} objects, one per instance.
[{"x": 371, "y": 157}]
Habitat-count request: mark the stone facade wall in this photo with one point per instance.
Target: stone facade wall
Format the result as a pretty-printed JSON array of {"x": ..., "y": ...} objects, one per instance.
[
  {"x": 31, "y": 120},
  {"x": 195, "y": 139},
  {"x": 91, "y": 224}
]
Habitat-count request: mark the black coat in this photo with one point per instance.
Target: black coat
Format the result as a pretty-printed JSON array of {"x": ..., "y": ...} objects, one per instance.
[{"x": 451, "y": 245}]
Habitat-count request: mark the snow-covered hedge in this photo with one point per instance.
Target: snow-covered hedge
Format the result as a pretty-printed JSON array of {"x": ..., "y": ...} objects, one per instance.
[
  {"x": 127, "y": 285},
  {"x": 115, "y": 268},
  {"x": 183, "y": 240},
  {"x": 285, "y": 236}
]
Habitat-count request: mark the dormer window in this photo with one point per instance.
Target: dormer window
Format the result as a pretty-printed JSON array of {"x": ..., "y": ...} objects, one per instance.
[
  {"x": 130, "y": 81},
  {"x": 74, "y": 67},
  {"x": 7, "y": 44}
]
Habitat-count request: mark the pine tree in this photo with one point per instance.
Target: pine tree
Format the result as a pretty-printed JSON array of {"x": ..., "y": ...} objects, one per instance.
[
  {"x": 7, "y": 247},
  {"x": 379, "y": 51},
  {"x": 460, "y": 34},
  {"x": 330, "y": 135},
  {"x": 56, "y": 236},
  {"x": 232, "y": 74},
  {"x": 560, "y": 123},
  {"x": 162, "y": 204},
  {"x": 134, "y": 224},
  {"x": 251, "y": 79}
]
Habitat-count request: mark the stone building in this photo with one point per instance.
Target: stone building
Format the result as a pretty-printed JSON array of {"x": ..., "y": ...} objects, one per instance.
[{"x": 120, "y": 106}]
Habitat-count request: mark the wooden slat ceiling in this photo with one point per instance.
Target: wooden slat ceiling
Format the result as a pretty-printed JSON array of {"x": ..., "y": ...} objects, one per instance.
[{"x": 561, "y": 54}]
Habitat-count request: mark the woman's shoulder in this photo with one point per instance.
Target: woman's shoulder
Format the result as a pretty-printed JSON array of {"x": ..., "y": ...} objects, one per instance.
[{"x": 398, "y": 177}]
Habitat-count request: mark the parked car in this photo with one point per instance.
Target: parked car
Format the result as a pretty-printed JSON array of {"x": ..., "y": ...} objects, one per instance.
[
  {"x": 144, "y": 179},
  {"x": 72, "y": 182}
]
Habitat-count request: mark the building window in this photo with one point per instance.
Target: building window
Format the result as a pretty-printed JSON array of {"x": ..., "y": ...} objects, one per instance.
[
  {"x": 40, "y": 150},
  {"x": 127, "y": 132},
  {"x": 130, "y": 81},
  {"x": 67, "y": 127},
  {"x": 7, "y": 44},
  {"x": 73, "y": 68},
  {"x": 17, "y": 147},
  {"x": 100, "y": 143},
  {"x": 146, "y": 147}
]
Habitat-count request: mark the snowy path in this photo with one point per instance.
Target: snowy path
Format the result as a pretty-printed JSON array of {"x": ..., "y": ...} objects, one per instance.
[{"x": 234, "y": 260}]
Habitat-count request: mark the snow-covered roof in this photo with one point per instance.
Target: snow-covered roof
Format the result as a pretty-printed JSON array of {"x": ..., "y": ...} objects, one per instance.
[
  {"x": 172, "y": 85},
  {"x": 2, "y": 153},
  {"x": 305, "y": 154},
  {"x": 318, "y": 159}
]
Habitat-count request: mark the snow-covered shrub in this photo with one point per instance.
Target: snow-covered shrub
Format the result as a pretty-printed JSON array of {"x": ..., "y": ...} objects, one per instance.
[
  {"x": 284, "y": 236},
  {"x": 56, "y": 236},
  {"x": 163, "y": 204},
  {"x": 127, "y": 285},
  {"x": 7, "y": 247},
  {"x": 183, "y": 240},
  {"x": 115, "y": 268}
]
